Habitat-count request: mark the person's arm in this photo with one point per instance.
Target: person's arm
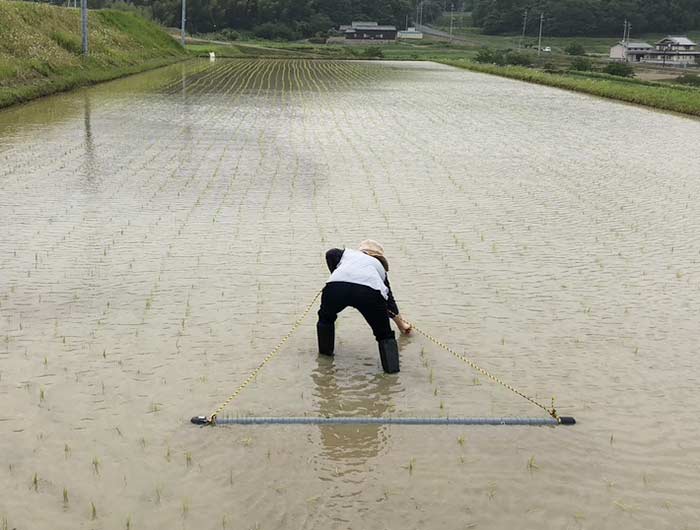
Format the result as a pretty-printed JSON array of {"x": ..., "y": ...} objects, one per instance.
[
  {"x": 333, "y": 257},
  {"x": 404, "y": 327}
]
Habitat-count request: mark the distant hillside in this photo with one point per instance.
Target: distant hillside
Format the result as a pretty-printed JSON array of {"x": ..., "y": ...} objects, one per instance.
[{"x": 40, "y": 49}]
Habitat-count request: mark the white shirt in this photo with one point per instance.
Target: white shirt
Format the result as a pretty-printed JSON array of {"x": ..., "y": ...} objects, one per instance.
[{"x": 358, "y": 267}]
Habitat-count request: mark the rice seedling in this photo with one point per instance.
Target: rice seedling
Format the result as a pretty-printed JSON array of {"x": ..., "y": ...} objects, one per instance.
[
  {"x": 188, "y": 459},
  {"x": 42, "y": 395},
  {"x": 410, "y": 466},
  {"x": 95, "y": 465},
  {"x": 185, "y": 508},
  {"x": 65, "y": 498},
  {"x": 531, "y": 465},
  {"x": 168, "y": 454},
  {"x": 128, "y": 522},
  {"x": 35, "y": 482},
  {"x": 461, "y": 440}
]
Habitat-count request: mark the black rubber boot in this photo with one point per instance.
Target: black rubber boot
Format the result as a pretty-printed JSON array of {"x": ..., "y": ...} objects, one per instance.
[
  {"x": 389, "y": 354},
  {"x": 326, "y": 338}
]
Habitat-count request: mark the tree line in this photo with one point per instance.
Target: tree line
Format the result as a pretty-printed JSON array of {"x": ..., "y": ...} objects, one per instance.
[
  {"x": 587, "y": 17},
  {"x": 294, "y": 19},
  {"x": 284, "y": 19}
]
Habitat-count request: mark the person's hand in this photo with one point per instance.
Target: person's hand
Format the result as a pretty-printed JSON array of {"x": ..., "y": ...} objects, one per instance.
[{"x": 405, "y": 327}]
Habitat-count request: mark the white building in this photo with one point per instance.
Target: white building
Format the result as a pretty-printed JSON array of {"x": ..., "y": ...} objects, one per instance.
[
  {"x": 676, "y": 51},
  {"x": 411, "y": 34},
  {"x": 629, "y": 51},
  {"x": 672, "y": 51}
]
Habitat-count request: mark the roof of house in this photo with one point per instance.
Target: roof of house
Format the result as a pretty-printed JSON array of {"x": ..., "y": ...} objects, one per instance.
[
  {"x": 678, "y": 41},
  {"x": 635, "y": 44},
  {"x": 368, "y": 28}
]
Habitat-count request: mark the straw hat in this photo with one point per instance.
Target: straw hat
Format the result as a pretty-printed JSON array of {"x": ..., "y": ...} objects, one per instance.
[{"x": 374, "y": 249}]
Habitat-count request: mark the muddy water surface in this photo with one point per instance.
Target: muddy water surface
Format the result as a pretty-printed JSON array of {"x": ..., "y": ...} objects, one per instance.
[{"x": 160, "y": 234}]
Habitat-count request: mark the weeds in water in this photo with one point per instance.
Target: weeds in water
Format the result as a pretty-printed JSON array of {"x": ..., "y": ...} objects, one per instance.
[
  {"x": 491, "y": 492},
  {"x": 531, "y": 465},
  {"x": 410, "y": 466}
]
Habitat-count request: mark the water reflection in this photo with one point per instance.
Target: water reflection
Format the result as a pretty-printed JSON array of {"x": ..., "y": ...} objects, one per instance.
[
  {"x": 90, "y": 165},
  {"x": 353, "y": 394}
]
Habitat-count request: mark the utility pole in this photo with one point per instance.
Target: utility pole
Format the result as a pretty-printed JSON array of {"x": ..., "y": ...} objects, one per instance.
[
  {"x": 539, "y": 43},
  {"x": 524, "y": 28},
  {"x": 452, "y": 20},
  {"x": 184, "y": 19},
  {"x": 84, "y": 23}
]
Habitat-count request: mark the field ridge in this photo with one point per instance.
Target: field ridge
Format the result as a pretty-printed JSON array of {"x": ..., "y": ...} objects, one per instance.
[{"x": 40, "y": 49}]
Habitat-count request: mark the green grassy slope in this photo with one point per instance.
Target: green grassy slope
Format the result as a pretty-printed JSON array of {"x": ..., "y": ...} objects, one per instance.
[{"x": 40, "y": 49}]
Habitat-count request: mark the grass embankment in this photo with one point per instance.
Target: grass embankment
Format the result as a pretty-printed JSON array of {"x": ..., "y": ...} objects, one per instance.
[
  {"x": 40, "y": 49},
  {"x": 674, "y": 98}
]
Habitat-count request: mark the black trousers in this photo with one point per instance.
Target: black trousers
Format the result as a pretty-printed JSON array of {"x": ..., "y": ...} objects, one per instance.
[{"x": 369, "y": 302}]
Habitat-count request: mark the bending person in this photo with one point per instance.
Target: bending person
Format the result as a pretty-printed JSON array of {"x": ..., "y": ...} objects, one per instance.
[{"x": 359, "y": 279}]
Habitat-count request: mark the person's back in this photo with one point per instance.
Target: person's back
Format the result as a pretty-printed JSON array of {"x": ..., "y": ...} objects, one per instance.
[{"x": 359, "y": 279}]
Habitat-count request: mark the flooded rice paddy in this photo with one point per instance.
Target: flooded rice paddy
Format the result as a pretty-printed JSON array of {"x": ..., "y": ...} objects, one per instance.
[{"x": 160, "y": 234}]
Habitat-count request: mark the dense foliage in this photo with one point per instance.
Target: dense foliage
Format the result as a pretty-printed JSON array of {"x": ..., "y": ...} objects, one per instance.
[
  {"x": 275, "y": 19},
  {"x": 588, "y": 17}
]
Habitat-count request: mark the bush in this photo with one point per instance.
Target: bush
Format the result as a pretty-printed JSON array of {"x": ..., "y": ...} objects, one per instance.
[
  {"x": 275, "y": 31},
  {"x": 619, "y": 69},
  {"x": 318, "y": 40},
  {"x": 229, "y": 34},
  {"x": 372, "y": 52},
  {"x": 503, "y": 57},
  {"x": 517, "y": 59},
  {"x": 581, "y": 64},
  {"x": 689, "y": 79},
  {"x": 489, "y": 56},
  {"x": 575, "y": 48}
]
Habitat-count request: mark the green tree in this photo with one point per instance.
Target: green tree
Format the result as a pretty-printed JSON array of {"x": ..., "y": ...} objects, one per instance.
[
  {"x": 582, "y": 64},
  {"x": 619, "y": 69},
  {"x": 575, "y": 48}
]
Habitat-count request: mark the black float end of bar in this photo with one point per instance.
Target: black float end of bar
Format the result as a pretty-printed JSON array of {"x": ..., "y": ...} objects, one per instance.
[
  {"x": 200, "y": 420},
  {"x": 567, "y": 420}
]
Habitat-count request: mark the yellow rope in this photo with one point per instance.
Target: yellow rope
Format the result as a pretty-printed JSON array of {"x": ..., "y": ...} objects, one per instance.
[
  {"x": 212, "y": 418},
  {"x": 552, "y": 412},
  {"x": 268, "y": 357}
]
